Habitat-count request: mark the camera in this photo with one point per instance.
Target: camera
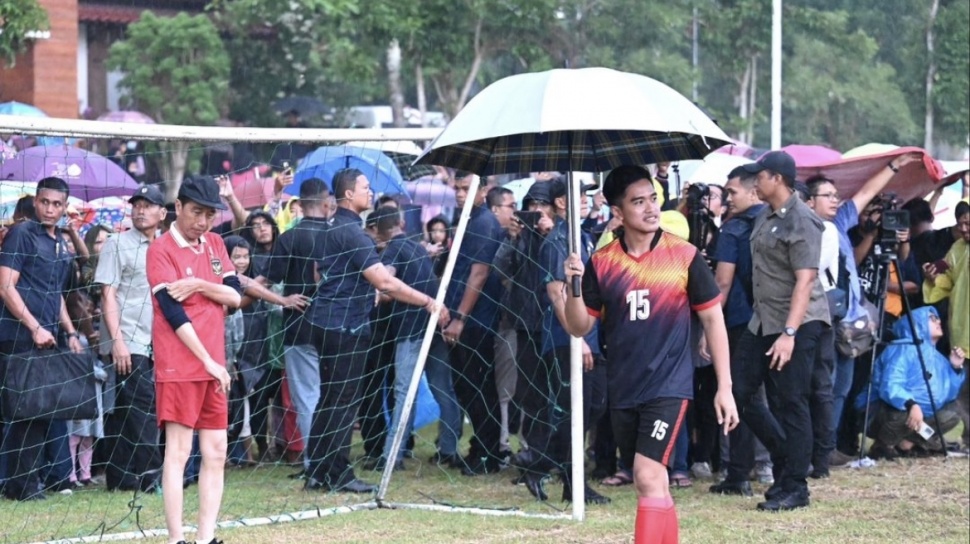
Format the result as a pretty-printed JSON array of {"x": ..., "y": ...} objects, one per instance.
[
  {"x": 892, "y": 218},
  {"x": 696, "y": 192}
]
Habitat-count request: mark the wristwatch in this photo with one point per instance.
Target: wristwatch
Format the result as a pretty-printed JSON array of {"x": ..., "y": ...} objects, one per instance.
[
  {"x": 460, "y": 316},
  {"x": 790, "y": 331}
]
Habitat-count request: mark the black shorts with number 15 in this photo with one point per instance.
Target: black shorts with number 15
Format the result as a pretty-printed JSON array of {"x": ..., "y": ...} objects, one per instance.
[{"x": 649, "y": 429}]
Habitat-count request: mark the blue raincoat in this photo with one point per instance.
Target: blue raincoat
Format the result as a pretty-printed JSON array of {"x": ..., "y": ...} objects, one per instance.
[{"x": 898, "y": 377}]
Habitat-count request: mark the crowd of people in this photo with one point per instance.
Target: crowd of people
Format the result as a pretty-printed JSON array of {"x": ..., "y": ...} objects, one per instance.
[{"x": 273, "y": 336}]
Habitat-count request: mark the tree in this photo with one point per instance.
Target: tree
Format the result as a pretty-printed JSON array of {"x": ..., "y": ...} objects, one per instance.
[
  {"x": 836, "y": 92},
  {"x": 319, "y": 48},
  {"x": 18, "y": 18},
  {"x": 176, "y": 70},
  {"x": 951, "y": 93}
]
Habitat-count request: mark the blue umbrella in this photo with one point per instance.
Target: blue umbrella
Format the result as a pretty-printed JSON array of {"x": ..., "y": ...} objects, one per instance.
[
  {"x": 26, "y": 110},
  {"x": 323, "y": 163}
]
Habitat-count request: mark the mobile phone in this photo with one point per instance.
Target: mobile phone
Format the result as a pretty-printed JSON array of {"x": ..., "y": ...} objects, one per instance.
[
  {"x": 941, "y": 266},
  {"x": 528, "y": 219},
  {"x": 926, "y": 431},
  {"x": 286, "y": 168}
]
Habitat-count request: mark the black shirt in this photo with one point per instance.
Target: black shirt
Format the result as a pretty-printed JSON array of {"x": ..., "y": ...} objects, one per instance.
[
  {"x": 344, "y": 298},
  {"x": 413, "y": 267},
  {"x": 932, "y": 245},
  {"x": 291, "y": 264}
]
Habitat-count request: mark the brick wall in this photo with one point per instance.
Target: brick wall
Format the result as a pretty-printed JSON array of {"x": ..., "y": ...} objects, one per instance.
[{"x": 46, "y": 75}]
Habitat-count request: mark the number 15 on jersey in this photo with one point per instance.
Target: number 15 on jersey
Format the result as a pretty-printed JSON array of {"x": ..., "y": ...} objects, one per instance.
[{"x": 639, "y": 304}]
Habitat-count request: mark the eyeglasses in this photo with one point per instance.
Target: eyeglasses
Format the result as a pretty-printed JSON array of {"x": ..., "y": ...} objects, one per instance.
[
  {"x": 830, "y": 196},
  {"x": 934, "y": 317}
]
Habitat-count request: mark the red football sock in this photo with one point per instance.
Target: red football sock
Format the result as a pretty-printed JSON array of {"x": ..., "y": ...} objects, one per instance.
[
  {"x": 672, "y": 529},
  {"x": 652, "y": 518}
]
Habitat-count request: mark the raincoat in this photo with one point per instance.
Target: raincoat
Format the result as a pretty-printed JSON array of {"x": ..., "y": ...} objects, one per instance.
[{"x": 898, "y": 377}]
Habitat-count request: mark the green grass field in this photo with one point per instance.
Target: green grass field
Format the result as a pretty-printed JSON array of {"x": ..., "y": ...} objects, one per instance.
[{"x": 926, "y": 500}]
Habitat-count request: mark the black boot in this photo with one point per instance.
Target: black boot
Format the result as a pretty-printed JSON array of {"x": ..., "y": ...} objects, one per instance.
[{"x": 590, "y": 494}]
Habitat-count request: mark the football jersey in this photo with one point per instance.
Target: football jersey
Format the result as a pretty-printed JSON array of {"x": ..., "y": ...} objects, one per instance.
[{"x": 644, "y": 305}]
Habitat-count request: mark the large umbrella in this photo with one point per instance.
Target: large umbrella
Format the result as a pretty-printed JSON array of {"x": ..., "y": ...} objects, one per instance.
[
  {"x": 26, "y": 110},
  {"x": 323, "y": 163},
  {"x": 591, "y": 120},
  {"x": 433, "y": 195},
  {"x": 858, "y": 165},
  {"x": 88, "y": 175},
  {"x": 126, "y": 116},
  {"x": 402, "y": 152},
  {"x": 811, "y": 155}
]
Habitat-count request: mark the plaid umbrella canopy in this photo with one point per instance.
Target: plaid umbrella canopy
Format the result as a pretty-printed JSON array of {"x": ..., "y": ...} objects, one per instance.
[{"x": 589, "y": 120}]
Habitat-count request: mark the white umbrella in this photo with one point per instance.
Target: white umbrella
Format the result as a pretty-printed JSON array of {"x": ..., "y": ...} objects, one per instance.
[
  {"x": 715, "y": 168},
  {"x": 401, "y": 147},
  {"x": 591, "y": 119}
]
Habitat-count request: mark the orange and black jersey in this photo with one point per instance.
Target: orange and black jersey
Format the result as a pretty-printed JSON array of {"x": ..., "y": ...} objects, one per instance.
[{"x": 644, "y": 306}]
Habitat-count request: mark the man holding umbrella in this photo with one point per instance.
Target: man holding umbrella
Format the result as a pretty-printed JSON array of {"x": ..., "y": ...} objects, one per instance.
[{"x": 644, "y": 285}]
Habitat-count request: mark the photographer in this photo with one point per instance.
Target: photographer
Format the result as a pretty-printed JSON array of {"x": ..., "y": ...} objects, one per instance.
[{"x": 845, "y": 215}]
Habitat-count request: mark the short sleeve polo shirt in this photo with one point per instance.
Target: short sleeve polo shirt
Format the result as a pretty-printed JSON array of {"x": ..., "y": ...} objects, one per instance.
[
  {"x": 44, "y": 265},
  {"x": 482, "y": 240},
  {"x": 295, "y": 254},
  {"x": 344, "y": 297},
  {"x": 170, "y": 258}
]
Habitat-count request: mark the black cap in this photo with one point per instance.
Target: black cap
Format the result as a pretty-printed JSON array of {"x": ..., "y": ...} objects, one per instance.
[
  {"x": 149, "y": 193},
  {"x": 538, "y": 192},
  {"x": 202, "y": 190},
  {"x": 776, "y": 161},
  {"x": 559, "y": 187}
]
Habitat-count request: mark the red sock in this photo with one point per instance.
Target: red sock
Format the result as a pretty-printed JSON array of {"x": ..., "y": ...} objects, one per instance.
[
  {"x": 672, "y": 529},
  {"x": 652, "y": 519}
]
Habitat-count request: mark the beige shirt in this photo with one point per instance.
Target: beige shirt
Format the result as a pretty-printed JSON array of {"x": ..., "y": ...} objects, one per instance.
[
  {"x": 122, "y": 266},
  {"x": 783, "y": 241}
]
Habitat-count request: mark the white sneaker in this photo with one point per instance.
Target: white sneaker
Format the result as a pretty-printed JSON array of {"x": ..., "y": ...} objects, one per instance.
[
  {"x": 701, "y": 471},
  {"x": 65, "y": 492},
  {"x": 762, "y": 472}
]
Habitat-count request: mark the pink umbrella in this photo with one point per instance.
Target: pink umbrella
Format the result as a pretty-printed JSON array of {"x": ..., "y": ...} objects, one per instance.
[
  {"x": 433, "y": 195},
  {"x": 739, "y": 149},
  {"x": 126, "y": 116},
  {"x": 251, "y": 191},
  {"x": 812, "y": 155},
  {"x": 916, "y": 179}
]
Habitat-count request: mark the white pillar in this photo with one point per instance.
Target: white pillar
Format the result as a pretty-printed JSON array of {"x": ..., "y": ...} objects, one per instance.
[
  {"x": 776, "y": 75},
  {"x": 83, "y": 98}
]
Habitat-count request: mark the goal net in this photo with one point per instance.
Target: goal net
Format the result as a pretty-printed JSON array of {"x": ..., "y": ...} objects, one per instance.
[{"x": 470, "y": 401}]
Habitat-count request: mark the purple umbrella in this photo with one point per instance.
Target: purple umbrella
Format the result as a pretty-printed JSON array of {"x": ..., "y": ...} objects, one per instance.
[
  {"x": 126, "y": 116},
  {"x": 433, "y": 195},
  {"x": 88, "y": 175}
]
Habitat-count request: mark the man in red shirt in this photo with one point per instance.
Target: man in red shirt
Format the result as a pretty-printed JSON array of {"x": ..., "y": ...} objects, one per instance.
[{"x": 193, "y": 281}]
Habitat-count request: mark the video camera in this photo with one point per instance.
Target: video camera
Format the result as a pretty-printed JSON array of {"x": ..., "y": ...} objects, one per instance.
[
  {"x": 696, "y": 193},
  {"x": 892, "y": 219}
]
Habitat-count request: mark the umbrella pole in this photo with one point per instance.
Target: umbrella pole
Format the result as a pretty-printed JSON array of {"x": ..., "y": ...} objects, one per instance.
[{"x": 577, "y": 436}]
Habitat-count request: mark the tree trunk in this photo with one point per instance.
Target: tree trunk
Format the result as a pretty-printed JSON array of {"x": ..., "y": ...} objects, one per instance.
[
  {"x": 422, "y": 95},
  {"x": 172, "y": 166},
  {"x": 930, "y": 77},
  {"x": 743, "y": 103},
  {"x": 394, "y": 83},
  {"x": 752, "y": 96}
]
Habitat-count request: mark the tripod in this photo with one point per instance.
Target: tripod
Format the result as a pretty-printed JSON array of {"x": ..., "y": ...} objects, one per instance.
[{"x": 886, "y": 260}]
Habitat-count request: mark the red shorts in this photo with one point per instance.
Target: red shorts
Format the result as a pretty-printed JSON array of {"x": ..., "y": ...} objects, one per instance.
[{"x": 197, "y": 405}]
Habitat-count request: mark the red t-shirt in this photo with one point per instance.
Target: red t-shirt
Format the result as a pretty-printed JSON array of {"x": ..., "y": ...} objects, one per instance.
[{"x": 172, "y": 258}]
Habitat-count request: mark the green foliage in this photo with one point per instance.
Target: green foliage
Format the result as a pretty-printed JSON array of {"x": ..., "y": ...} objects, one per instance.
[
  {"x": 176, "y": 69},
  {"x": 951, "y": 94},
  {"x": 17, "y": 18}
]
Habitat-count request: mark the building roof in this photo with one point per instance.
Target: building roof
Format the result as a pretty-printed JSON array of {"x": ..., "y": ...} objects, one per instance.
[{"x": 115, "y": 13}]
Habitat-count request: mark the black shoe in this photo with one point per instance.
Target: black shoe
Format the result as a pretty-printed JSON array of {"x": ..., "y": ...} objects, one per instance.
[
  {"x": 379, "y": 464},
  {"x": 476, "y": 466},
  {"x": 297, "y": 475},
  {"x": 590, "y": 495},
  {"x": 533, "y": 482},
  {"x": 727, "y": 487},
  {"x": 819, "y": 473},
  {"x": 448, "y": 460},
  {"x": 785, "y": 502},
  {"x": 355, "y": 486},
  {"x": 775, "y": 491},
  {"x": 313, "y": 484}
]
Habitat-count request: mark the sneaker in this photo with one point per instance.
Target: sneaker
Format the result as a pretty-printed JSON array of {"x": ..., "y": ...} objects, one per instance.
[
  {"x": 762, "y": 472},
  {"x": 702, "y": 471}
]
